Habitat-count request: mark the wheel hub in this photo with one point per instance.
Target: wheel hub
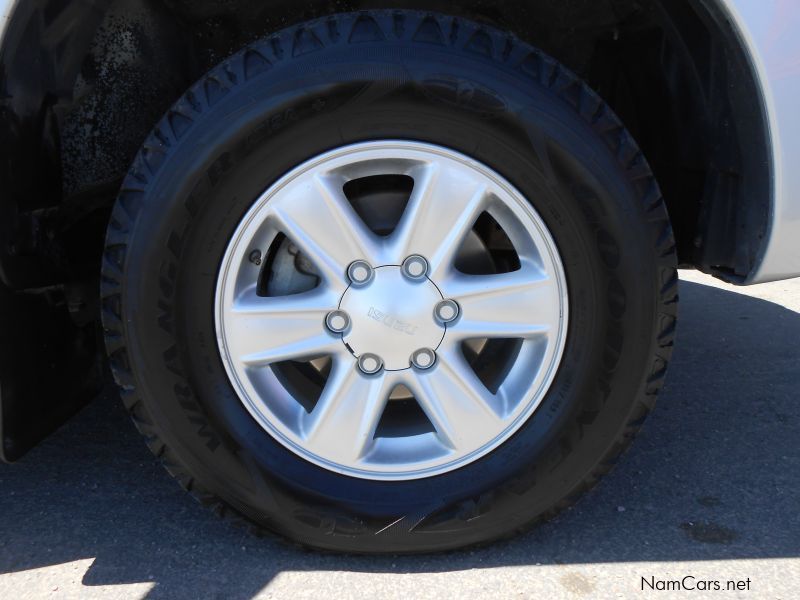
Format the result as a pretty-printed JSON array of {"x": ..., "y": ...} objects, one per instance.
[{"x": 392, "y": 316}]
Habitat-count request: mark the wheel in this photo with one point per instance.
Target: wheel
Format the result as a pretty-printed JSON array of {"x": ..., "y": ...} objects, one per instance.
[{"x": 389, "y": 282}]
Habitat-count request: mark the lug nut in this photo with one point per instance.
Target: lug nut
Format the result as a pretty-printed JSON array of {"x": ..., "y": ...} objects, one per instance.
[
  {"x": 337, "y": 321},
  {"x": 423, "y": 358},
  {"x": 359, "y": 272},
  {"x": 370, "y": 363},
  {"x": 447, "y": 311},
  {"x": 255, "y": 257},
  {"x": 415, "y": 267}
]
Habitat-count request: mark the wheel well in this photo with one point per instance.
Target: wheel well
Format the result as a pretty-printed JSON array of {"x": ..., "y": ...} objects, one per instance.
[{"x": 84, "y": 82}]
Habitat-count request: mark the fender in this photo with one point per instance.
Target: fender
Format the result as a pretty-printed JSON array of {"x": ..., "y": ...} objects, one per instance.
[{"x": 768, "y": 32}]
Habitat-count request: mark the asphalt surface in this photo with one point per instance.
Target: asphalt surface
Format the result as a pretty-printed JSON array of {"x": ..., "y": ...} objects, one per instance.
[{"x": 711, "y": 490}]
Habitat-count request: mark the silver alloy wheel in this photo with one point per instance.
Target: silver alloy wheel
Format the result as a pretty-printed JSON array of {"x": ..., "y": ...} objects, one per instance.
[{"x": 392, "y": 315}]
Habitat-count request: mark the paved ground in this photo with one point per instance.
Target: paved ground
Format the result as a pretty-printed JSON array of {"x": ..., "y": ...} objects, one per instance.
[{"x": 711, "y": 489}]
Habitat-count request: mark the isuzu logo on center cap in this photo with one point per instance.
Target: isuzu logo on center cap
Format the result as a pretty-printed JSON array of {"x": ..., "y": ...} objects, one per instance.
[{"x": 391, "y": 321}]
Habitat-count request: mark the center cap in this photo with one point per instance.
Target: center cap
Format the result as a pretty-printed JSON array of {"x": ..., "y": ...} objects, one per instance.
[{"x": 392, "y": 317}]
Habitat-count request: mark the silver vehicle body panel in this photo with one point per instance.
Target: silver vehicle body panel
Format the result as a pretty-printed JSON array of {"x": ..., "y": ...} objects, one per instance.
[{"x": 769, "y": 31}]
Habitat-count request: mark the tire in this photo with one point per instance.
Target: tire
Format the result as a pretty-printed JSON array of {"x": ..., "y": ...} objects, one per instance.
[{"x": 381, "y": 75}]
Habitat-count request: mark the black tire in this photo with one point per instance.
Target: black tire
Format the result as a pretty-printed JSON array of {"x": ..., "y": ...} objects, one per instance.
[{"x": 388, "y": 75}]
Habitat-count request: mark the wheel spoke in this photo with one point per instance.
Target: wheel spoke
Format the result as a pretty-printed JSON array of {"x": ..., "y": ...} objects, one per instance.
[
  {"x": 261, "y": 331},
  {"x": 342, "y": 424},
  {"x": 463, "y": 411},
  {"x": 316, "y": 215},
  {"x": 443, "y": 207},
  {"x": 520, "y": 304}
]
